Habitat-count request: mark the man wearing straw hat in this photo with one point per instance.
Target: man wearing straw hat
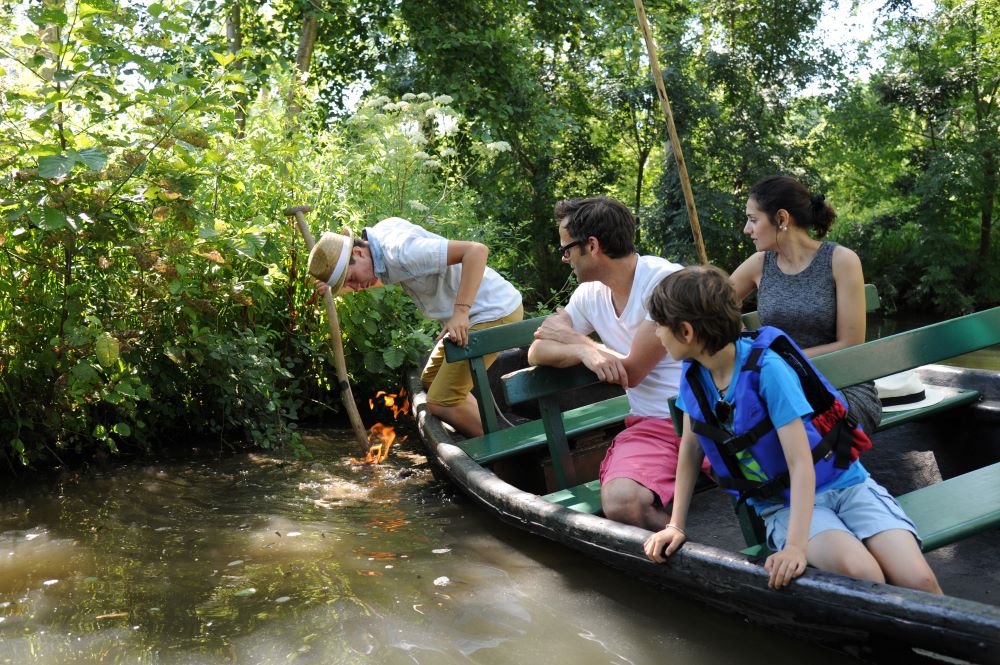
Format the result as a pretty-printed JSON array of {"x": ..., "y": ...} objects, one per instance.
[
  {"x": 448, "y": 281},
  {"x": 596, "y": 240}
]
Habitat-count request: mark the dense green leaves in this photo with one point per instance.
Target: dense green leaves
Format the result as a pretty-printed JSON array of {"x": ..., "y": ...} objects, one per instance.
[{"x": 151, "y": 290}]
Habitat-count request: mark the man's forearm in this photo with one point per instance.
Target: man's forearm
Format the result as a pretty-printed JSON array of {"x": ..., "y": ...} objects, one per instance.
[{"x": 553, "y": 353}]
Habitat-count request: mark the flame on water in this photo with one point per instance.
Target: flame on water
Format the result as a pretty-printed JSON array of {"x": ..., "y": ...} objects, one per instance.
[
  {"x": 381, "y": 437},
  {"x": 398, "y": 403}
]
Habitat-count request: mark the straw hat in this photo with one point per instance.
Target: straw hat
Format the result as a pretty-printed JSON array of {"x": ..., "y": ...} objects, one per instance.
[
  {"x": 904, "y": 391},
  {"x": 329, "y": 258}
]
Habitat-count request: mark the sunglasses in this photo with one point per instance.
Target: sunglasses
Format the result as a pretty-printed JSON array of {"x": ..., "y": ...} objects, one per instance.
[
  {"x": 723, "y": 410},
  {"x": 564, "y": 249}
]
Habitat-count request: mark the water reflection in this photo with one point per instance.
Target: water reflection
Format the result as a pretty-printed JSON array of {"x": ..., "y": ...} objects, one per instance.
[{"x": 258, "y": 559}]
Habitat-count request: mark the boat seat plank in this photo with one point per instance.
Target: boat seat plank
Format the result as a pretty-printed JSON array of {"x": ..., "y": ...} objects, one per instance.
[
  {"x": 482, "y": 343},
  {"x": 586, "y": 497},
  {"x": 513, "y": 440},
  {"x": 955, "y": 508},
  {"x": 912, "y": 348}
]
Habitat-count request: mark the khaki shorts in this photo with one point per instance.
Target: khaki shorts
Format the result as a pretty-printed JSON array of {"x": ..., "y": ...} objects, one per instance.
[{"x": 447, "y": 383}]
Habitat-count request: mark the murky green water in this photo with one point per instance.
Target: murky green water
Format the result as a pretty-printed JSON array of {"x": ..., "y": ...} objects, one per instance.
[{"x": 255, "y": 559}]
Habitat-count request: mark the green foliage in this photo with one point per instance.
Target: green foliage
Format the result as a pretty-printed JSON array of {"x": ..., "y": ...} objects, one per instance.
[
  {"x": 915, "y": 150},
  {"x": 151, "y": 289}
]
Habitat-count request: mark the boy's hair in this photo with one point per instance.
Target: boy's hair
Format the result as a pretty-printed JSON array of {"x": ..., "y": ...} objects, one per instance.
[
  {"x": 702, "y": 296},
  {"x": 607, "y": 219}
]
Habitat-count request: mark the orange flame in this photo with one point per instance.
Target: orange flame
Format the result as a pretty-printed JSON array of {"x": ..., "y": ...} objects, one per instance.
[
  {"x": 398, "y": 403},
  {"x": 381, "y": 437}
]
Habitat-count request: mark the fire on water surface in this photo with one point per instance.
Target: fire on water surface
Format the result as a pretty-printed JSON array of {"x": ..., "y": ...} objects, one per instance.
[{"x": 381, "y": 437}]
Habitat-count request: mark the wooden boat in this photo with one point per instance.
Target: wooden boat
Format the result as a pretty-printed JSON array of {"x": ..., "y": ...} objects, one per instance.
[{"x": 958, "y": 441}]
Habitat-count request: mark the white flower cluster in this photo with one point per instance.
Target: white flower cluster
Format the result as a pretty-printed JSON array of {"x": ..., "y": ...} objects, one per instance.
[{"x": 498, "y": 146}]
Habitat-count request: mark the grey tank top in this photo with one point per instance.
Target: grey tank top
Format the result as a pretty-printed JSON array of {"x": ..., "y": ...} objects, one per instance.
[{"x": 804, "y": 305}]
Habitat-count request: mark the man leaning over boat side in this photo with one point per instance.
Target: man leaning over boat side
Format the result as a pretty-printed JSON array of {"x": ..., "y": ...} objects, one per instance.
[
  {"x": 596, "y": 238},
  {"x": 448, "y": 280}
]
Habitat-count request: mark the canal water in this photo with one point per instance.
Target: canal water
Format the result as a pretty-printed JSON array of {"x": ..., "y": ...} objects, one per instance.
[{"x": 261, "y": 559}]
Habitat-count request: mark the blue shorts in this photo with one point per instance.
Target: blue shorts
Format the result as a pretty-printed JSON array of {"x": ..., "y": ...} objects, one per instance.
[{"x": 863, "y": 510}]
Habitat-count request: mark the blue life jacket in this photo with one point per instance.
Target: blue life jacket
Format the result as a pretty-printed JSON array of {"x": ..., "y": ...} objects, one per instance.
[{"x": 750, "y": 462}]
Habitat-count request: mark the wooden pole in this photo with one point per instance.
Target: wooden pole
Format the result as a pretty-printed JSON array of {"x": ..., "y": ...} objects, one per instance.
[
  {"x": 338, "y": 345},
  {"x": 661, "y": 91}
]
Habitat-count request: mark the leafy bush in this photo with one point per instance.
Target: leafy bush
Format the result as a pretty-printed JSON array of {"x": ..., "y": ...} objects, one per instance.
[{"x": 153, "y": 291}]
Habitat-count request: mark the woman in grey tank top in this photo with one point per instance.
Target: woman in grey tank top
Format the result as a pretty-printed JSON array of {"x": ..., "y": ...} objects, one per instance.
[{"x": 811, "y": 289}]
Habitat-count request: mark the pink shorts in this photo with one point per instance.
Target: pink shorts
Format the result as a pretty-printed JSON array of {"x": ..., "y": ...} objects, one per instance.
[{"x": 646, "y": 452}]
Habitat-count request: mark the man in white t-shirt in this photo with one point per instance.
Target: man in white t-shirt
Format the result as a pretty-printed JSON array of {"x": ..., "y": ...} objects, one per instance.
[
  {"x": 448, "y": 281},
  {"x": 596, "y": 240}
]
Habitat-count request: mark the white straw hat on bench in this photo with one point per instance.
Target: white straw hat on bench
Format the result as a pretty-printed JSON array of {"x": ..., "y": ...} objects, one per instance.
[{"x": 905, "y": 391}]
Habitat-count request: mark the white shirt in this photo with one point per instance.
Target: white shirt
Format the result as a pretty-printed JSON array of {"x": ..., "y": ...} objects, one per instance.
[
  {"x": 591, "y": 309},
  {"x": 416, "y": 259}
]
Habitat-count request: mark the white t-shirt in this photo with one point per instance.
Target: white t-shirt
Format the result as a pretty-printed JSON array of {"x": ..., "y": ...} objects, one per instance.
[
  {"x": 591, "y": 309},
  {"x": 417, "y": 260}
]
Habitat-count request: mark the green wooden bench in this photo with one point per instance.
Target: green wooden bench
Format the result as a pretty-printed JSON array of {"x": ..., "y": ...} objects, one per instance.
[
  {"x": 482, "y": 343},
  {"x": 499, "y": 443},
  {"x": 545, "y": 385},
  {"x": 914, "y": 348},
  {"x": 956, "y": 508}
]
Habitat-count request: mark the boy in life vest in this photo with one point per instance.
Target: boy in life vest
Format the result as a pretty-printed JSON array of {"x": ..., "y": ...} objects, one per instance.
[{"x": 751, "y": 404}]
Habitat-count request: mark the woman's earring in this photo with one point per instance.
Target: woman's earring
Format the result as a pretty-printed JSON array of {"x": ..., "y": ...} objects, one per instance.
[{"x": 784, "y": 228}]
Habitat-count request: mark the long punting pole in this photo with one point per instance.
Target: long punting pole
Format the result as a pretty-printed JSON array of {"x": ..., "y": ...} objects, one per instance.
[
  {"x": 661, "y": 91},
  {"x": 338, "y": 345}
]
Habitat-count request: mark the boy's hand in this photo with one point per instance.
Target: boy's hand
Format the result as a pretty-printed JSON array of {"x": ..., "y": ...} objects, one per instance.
[
  {"x": 662, "y": 544},
  {"x": 785, "y": 566},
  {"x": 321, "y": 287},
  {"x": 457, "y": 328}
]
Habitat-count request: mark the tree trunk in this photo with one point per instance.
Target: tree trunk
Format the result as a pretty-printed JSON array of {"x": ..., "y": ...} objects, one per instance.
[
  {"x": 234, "y": 38},
  {"x": 310, "y": 28},
  {"x": 986, "y": 202},
  {"x": 303, "y": 60},
  {"x": 643, "y": 158}
]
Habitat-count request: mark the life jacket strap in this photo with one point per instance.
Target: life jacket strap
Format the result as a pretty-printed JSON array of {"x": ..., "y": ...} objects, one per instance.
[{"x": 773, "y": 487}]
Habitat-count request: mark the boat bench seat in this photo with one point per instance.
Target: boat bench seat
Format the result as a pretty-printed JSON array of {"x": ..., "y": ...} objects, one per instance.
[
  {"x": 586, "y": 498},
  {"x": 481, "y": 344},
  {"x": 513, "y": 440},
  {"x": 955, "y": 508}
]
